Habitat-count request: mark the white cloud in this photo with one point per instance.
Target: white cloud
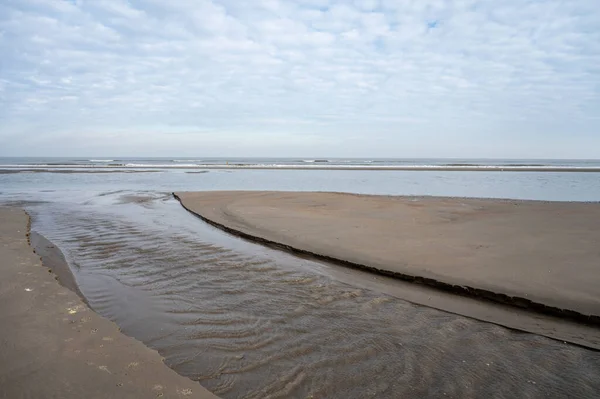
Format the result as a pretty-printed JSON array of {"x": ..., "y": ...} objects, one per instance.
[{"x": 388, "y": 78}]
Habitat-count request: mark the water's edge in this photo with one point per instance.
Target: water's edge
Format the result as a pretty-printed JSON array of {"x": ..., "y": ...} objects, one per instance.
[
  {"x": 471, "y": 292},
  {"x": 53, "y": 258}
]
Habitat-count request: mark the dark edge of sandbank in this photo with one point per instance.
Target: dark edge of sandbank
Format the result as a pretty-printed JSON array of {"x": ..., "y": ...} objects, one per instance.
[
  {"x": 52, "y": 257},
  {"x": 475, "y": 293}
]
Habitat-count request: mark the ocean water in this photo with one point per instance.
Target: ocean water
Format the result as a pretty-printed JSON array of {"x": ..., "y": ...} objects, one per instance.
[
  {"x": 551, "y": 186},
  {"x": 303, "y": 163},
  {"x": 248, "y": 321}
]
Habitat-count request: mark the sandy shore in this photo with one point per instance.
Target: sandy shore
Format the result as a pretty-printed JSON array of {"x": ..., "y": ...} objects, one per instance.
[
  {"x": 540, "y": 256},
  {"x": 53, "y": 345}
]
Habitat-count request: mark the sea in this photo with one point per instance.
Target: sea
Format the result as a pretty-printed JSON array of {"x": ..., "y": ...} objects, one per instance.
[
  {"x": 248, "y": 321},
  {"x": 300, "y": 163}
]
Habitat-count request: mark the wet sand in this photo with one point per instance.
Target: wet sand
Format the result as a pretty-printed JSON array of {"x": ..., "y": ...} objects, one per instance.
[
  {"x": 55, "y": 261},
  {"x": 540, "y": 256},
  {"x": 52, "y": 344}
]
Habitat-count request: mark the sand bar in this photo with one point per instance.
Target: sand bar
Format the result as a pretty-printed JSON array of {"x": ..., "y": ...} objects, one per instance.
[
  {"x": 541, "y": 256},
  {"x": 53, "y": 345}
]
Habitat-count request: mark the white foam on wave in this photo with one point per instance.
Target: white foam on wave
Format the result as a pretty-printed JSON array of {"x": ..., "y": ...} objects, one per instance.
[{"x": 161, "y": 166}]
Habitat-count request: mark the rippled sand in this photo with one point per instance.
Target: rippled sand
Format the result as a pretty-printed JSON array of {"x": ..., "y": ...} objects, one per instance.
[{"x": 250, "y": 322}]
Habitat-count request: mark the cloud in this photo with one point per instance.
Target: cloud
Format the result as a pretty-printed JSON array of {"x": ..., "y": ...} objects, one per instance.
[{"x": 308, "y": 77}]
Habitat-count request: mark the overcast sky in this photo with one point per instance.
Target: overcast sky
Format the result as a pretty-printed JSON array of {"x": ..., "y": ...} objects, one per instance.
[{"x": 389, "y": 78}]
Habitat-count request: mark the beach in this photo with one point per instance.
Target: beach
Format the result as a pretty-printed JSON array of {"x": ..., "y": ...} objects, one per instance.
[
  {"x": 245, "y": 319},
  {"x": 540, "y": 256},
  {"x": 53, "y": 345}
]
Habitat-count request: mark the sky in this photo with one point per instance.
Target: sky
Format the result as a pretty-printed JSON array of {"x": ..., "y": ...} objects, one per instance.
[{"x": 365, "y": 78}]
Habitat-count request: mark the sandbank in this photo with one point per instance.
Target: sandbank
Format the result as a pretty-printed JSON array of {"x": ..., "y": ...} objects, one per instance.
[{"x": 541, "y": 257}]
